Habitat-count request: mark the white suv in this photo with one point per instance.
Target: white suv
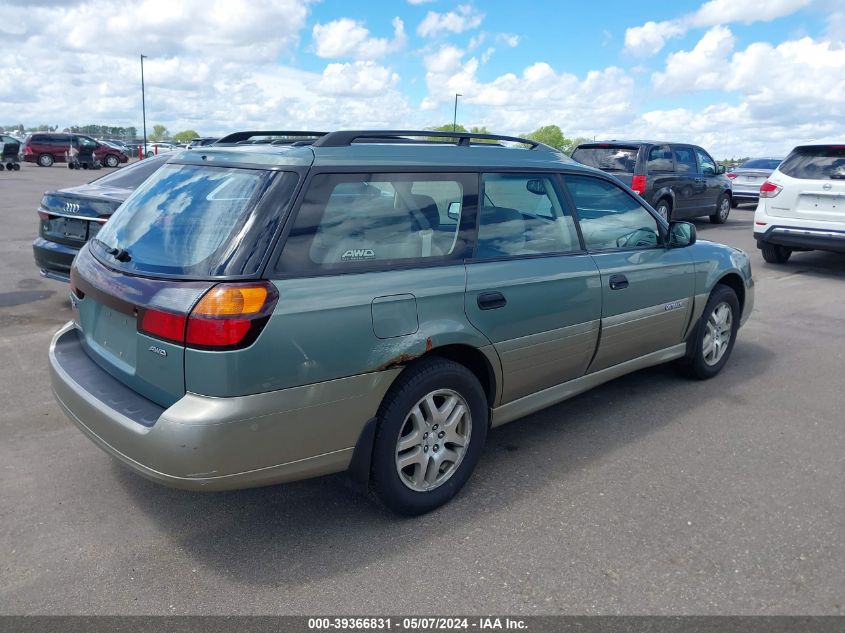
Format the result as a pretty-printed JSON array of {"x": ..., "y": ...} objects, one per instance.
[{"x": 802, "y": 204}]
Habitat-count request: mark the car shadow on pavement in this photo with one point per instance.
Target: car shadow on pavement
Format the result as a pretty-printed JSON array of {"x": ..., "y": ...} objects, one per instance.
[{"x": 305, "y": 531}]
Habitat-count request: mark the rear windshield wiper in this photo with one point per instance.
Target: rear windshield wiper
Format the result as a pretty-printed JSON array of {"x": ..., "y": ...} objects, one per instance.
[{"x": 120, "y": 254}]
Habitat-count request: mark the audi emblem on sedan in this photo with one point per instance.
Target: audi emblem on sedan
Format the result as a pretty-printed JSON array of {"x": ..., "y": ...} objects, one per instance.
[{"x": 72, "y": 207}]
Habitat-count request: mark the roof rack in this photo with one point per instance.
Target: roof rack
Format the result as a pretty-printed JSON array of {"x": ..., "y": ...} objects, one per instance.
[
  {"x": 345, "y": 138},
  {"x": 240, "y": 137}
]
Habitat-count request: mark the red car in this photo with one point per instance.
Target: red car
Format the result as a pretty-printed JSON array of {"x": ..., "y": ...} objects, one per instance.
[{"x": 46, "y": 148}]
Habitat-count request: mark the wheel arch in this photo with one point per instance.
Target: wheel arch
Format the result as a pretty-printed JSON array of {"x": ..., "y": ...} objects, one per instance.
[{"x": 733, "y": 281}]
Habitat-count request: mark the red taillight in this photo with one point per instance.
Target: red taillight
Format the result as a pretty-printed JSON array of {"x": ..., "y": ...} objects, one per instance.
[
  {"x": 43, "y": 215},
  {"x": 769, "y": 189},
  {"x": 229, "y": 316},
  {"x": 638, "y": 184},
  {"x": 27, "y": 150},
  {"x": 164, "y": 325},
  {"x": 731, "y": 175}
]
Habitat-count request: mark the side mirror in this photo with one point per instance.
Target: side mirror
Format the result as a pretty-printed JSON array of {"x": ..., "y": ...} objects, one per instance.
[
  {"x": 536, "y": 186},
  {"x": 681, "y": 234},
  {"x": 720, "y": 169},
  {"x": 454, "y": 211}
]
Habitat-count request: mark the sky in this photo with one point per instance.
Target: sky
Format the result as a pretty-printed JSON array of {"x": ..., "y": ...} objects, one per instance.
[{"x": 739, "y": 77}]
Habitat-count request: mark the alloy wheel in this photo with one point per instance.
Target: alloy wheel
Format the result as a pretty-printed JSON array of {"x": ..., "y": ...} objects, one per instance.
[
  {"x": 433, "y": 440},
  {"x": 718, "y": 333}
]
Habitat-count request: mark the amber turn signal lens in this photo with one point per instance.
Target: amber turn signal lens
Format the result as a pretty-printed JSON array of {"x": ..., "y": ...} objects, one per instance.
[{"x": 225, "y": 300}]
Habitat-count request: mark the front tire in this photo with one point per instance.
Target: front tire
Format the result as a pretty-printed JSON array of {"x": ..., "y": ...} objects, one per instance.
[
  {"x": 45, "y": 160},
  {"x": 723, "y": 210},
  {"x": 715, "y": 335},
  {"x": 432, "y": 427},
  {"x": 111, "y": 161}
]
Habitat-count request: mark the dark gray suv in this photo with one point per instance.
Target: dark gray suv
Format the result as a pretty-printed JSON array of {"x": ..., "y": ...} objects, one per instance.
[{"x": 679, "y": 180}]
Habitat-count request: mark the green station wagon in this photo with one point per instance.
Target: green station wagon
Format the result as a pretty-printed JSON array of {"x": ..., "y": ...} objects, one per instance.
[{"x": 373, "y": 302}]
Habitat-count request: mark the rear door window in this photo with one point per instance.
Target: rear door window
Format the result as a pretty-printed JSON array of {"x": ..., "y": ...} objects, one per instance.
[
  {"x": 607, "y": 157},
  {"x": 189, "y": 220},
  {"x": 350, "y": 221},
  {"x": 815, "y": 163},
  {"x": 685, "y": 160},
  {"x": 660, "y": 159}
]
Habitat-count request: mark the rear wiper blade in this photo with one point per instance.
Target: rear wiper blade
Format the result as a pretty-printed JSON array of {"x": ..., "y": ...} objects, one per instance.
[{"x": 120, "y": 254}]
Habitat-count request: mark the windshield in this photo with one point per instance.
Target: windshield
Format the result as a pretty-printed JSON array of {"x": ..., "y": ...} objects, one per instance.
[
  {"x": 816, "y": 163},
  {"x": 184, "y": 220},
  {"x": 607, "y": 158}
]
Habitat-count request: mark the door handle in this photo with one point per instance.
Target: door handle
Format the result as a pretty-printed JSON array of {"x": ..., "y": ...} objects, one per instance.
[
  {"x": 618, "y": 282},
  {"x": 491, "y": 300}
]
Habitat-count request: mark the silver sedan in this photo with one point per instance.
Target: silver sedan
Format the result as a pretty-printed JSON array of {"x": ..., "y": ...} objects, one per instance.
[{"x": 747, "y": 178}]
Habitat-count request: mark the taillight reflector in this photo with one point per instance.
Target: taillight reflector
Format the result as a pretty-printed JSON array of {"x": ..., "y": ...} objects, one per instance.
[
  {"x": 638, "y": 184},
  {"x": 164, "y": 325},
  {"x": 769, "y": 189},
  {"x": 731, "y": 175}
]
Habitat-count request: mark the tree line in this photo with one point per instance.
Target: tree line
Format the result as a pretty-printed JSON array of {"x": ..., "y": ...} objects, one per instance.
[{"x": 550, "y": 135}]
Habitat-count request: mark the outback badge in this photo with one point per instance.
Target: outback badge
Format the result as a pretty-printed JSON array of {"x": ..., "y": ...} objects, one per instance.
[{"x": 158, "y": 350}]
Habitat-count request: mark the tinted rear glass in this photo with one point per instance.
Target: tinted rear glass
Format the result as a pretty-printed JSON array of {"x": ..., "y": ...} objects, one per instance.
[
  {"x": 131, "y": 176},
  {"x": 815, "y": 163},
  {"x": 608, "y": 158},
  {"x": 761, "y": 163},
  {"x": 185, "y": 220}
]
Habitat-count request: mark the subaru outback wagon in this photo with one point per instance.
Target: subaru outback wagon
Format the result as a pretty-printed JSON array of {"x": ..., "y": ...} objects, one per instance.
[{"x": 373, "y": 302}]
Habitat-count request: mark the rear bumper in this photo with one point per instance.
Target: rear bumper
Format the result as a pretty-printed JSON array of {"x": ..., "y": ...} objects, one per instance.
[
  {"x": 206, "y": 443},
  {"x": 802, "y": 238},
  {"x": 53, "y": 259}
]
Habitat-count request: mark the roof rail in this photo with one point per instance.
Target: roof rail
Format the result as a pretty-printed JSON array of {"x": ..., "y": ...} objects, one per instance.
[
  {"x": 345, "y": 138},
  {"x": 239, "y": 137}
]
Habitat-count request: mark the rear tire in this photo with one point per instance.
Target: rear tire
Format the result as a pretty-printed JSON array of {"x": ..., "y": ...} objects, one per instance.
[
  {"x": 1, "y": 167},
  {"x": 438, "y": 445},
  {"x": 45, "y": 160},
  {"x": 723, "y": 209},
  {"x": 714, "y": 338},
  {"x": 664, "y": 209},
  {"x": 775, "y": 253}
]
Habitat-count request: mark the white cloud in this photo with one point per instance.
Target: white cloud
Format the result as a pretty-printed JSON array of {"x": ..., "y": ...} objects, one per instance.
[
  {"x": 420, "y": 1},
  {"x": 538, "y": 95},
  {"x": 651, "y": 37},
  {"x": 508, "y": 39},
  {"x": 701, "y": 68},
  {"x": 213, "y": 66},
  {"x": 356, "y": 79},
  {"x": 436, "y": 24},
  {"x": 350, "y": 38}
]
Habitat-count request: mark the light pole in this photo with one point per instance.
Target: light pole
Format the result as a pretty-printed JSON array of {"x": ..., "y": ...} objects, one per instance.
[
  {"x": 143, "y": 107},
  {"x": 455, "y": 117}
]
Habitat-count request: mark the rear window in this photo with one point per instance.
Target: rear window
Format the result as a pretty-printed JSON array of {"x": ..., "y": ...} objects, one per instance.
[
  {"x": 132, "y": 176},
  {"x": 607, "y": 158},
  {"x": 187, "y": 220},
  {"x": 815, "y": 163},
  {"x": 761, "y": 163}
]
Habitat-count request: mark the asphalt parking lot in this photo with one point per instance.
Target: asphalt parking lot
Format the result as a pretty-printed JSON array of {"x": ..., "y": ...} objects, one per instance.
[{"x": 650, "y": 495}]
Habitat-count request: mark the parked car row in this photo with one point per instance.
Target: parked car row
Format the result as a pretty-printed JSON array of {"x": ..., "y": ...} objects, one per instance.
[
  {"x": 679, "y": 180},
  {"x": 46, "y": 148},
  {"x": 371, "y": 302}
]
